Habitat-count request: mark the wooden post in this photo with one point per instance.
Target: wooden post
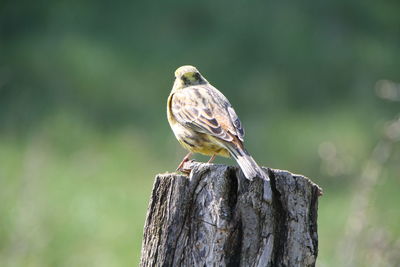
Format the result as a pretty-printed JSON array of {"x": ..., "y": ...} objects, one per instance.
[{"x": 216, "y": 217}]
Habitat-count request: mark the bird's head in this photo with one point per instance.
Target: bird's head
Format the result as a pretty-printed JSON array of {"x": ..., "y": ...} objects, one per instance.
[{"x": 186, "y": 76}]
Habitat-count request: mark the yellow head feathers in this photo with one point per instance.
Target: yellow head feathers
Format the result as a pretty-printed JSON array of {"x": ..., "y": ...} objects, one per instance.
[{"x": 187, "y": 76}]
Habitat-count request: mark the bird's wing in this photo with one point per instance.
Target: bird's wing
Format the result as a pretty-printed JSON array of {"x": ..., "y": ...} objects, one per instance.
[
  {"x": 236, "y": 122},
  {"x": 206, "y": 110}
]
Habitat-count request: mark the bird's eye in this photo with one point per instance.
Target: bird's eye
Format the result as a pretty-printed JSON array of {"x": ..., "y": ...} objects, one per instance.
[{"x": 197, "y": 76}]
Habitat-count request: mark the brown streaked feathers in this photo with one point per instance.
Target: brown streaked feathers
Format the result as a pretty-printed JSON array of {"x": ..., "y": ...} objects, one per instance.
[
  {"x": 206, "y": 114},
  {"x": 204, "y": 121}
]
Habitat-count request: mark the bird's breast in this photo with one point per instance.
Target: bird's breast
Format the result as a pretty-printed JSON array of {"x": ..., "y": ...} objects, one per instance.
[
  {"x": 193, "y": 140},
  {"x": 198, "y": 142}
]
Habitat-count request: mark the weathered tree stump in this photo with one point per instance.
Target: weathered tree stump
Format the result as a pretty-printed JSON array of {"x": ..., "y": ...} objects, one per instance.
[{"x": 216, "y": 217}]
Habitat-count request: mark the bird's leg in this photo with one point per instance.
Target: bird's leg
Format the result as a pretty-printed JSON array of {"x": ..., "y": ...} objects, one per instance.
[
  {"x": 211, "y": 159},
  {"x": 185, "y": 159}
]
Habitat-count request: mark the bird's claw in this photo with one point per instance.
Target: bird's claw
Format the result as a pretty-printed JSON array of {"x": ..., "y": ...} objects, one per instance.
[{"x": 185, "y": 167}]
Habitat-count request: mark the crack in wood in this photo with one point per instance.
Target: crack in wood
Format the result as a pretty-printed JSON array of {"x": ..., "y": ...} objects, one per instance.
[{"x": 215, "y": 217}]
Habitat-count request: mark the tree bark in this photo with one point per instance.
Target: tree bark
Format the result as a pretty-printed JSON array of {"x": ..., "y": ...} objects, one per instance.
[{"x": 216, "y": 217}]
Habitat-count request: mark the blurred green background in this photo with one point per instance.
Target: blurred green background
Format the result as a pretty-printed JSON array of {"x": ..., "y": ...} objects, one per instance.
[{"x": 83, "y": 129}]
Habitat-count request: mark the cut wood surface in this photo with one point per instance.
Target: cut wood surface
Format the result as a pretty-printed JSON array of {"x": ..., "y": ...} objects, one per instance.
[{"x": 216, "y": 217}]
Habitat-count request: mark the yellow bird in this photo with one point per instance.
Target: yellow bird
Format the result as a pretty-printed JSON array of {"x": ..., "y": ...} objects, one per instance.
[{"x": 204, "y": 121}]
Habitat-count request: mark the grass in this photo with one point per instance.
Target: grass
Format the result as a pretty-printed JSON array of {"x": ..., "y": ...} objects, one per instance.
[
  {"x": 73, "y": 196},
  {"x": 76, "y": 207}
]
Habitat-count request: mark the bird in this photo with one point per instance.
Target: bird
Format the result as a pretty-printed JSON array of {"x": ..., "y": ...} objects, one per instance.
[{"x": 204, "y": 121}]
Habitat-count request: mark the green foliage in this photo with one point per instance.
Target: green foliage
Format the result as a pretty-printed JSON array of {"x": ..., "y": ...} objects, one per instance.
[{"x": 83, "y": 130}]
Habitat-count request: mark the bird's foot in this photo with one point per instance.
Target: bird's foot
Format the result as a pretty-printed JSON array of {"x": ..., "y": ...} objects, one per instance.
[
  {"x": 185, "y": 159},
  {"x": 187, "y": 167}
]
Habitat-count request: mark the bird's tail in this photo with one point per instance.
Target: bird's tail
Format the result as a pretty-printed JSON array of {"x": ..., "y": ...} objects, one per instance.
[
  {"x": 251, "y": 169},
  {"x": 246, "y": 162}
]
